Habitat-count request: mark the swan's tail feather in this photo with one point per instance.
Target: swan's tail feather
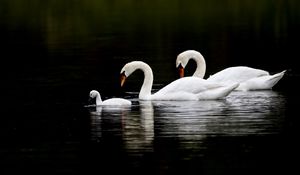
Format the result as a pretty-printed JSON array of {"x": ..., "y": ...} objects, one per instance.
[
  {"x": 261, "y": 83},
  {"x": 275, "y": 78},
  {"x": 279, "y": 75}
]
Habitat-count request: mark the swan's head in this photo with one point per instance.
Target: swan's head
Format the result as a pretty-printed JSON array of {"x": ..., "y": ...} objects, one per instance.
[
  {"x": 182, "y": 60},
  {"x": 128, "y": 69},
  {"x": 125, "y": 72},
  {"x": 122, "y": 78},
  {"x": 94, "y": 93},
  {"x": 184, "y": 57},
  {"x": 180, "y": 68}
]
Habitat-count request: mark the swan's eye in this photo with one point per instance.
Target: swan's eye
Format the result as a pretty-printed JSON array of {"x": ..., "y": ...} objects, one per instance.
[
  {"x": 180, "y": 66},
  {"x": 92, "y": 95}
]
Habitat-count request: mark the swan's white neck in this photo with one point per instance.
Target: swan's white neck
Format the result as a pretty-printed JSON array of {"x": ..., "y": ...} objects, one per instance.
[
  {"x": 129, "y": 68},
  {"x": 98, "y": 99},
  {"x": 201, "y": 65},
  {"x": 145, "y": 92}
]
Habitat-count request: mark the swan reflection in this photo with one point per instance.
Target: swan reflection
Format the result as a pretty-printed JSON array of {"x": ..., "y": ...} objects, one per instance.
[
  {"x": 190, "y": 122},
  {"x": 254, "y": 112},
  {"x": 242, "y": 113},
  {"x": 103, "y": 116},
  {"x": 138, "y": 133},
  {"x": 187, "y": 120},
  {"x": 136, "y": 127}
]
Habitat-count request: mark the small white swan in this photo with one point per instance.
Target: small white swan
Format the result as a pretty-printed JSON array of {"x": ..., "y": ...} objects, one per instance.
[
  {"x": 248, "y": 78},
  {"x": 109, "y": 102},
  {"x": 188, "y": 88}
]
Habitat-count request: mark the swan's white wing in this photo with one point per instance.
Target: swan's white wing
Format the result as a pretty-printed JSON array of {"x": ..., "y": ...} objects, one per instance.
[
  {"x": 237, "y": 74},
  {"x": 177, "y": 96},
  {"x": 116, "y": 101},
  {"x": 188, "y": 84},
  {"x": 192, "y": 88},
  {"x": 261, "y": 83}
]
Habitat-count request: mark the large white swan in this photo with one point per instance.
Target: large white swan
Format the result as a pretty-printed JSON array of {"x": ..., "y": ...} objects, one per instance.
[
  {"x": 188, "y": 88},
  {"x": 109, "y": 102},
  {"x": 247, "y": 77}
]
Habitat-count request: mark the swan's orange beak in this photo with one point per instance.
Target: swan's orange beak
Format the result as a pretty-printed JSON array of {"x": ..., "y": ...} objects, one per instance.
[
  {"x": 181, "y": 71},
  {"x": 122, "y": 78}
]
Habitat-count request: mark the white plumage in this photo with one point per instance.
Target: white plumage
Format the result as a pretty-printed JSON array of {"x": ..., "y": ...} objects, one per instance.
[
  {"x": 109, "y": 102},
  {"x": 247, "y": 77},
  {"x": 188, "y": 88}
]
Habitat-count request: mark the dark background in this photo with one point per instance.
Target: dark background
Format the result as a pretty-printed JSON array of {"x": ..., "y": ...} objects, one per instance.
[
  {"x": 54, "y": 52},
  {"x": 49, "y": 39}
]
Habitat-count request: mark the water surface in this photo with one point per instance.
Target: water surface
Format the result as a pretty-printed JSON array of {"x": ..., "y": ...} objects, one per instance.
[{"x": 234, "y": 135}]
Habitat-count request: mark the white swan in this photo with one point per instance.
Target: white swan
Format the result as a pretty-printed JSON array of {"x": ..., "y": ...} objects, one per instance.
[
  {"x": 109, "y": 102},
  {"x": 248, "y": 78},
  {"x": 188, "y": 88}
]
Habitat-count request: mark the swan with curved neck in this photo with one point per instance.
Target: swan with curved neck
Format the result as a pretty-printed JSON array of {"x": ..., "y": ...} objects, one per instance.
[
  {"x": 188, "y": 88},
  {"x": 128, "y": 69},
  {"x": 247, "y": 77},
  {"x": 108, "y": 102},
  {"x": 183, "y": 59}
]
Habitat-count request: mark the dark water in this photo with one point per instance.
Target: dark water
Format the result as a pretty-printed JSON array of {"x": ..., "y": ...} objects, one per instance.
[
  {"x": 53, "y": 53},
  {"x": 242, "y": 134}
]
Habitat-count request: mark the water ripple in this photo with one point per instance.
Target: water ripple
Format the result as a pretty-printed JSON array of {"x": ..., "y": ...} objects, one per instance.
[{"x": 240, "y": 114}]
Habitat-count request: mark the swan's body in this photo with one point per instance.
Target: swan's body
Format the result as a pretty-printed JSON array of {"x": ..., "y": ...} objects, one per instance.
[
  {"x": 188, "y": 88},
  {"x": 109, "y": 102},
  {"x": 248, "y": 78}
]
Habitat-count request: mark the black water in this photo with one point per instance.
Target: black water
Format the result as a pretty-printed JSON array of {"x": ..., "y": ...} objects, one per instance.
[{"x": 53, "y": 53}]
